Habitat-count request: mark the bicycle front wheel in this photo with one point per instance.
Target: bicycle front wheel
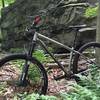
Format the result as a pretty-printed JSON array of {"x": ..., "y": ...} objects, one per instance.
[
  {"x": 11, "y": 70},
  {"x": 89, "y": 64}
]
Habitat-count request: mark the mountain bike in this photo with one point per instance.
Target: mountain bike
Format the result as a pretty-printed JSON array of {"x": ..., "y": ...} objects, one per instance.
[{"x": 24, "y": 73}]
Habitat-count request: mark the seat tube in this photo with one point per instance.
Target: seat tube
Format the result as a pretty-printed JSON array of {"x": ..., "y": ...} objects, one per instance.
[{"x": 70, "y": 59}]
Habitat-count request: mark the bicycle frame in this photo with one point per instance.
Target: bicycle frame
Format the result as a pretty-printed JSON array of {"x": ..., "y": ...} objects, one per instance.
[{"x": 37, "y": 38}]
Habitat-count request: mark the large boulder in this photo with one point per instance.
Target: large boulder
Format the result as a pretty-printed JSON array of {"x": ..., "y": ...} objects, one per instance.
[{"x": 14, "y": 21}]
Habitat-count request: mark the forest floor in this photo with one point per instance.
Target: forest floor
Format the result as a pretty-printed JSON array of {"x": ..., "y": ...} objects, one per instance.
[
  {"x": 54, "y": 87},
  {"x": 62, "y": 85}
]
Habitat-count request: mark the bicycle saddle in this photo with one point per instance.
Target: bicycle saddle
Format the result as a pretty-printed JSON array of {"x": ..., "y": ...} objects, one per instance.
[
  {"x": 83, "y": 28},
  {"x": 87, "y": 29},
  {"x": 78, "y": 26}
]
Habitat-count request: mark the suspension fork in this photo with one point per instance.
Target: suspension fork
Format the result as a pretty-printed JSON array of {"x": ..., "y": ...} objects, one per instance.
[{"x": 23, "y": 81}]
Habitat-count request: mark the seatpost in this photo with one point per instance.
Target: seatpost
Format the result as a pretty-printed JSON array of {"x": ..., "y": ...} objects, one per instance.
[{"x": 76, "y": 32}]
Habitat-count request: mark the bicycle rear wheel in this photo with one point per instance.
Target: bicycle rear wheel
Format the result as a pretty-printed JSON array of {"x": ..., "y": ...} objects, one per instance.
[
  {"x": 90, "y": 65},
  {"x": 11, "y": 70}
]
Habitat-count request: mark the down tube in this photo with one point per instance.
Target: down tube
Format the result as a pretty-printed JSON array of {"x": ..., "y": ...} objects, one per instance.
[{"x": 59, "y": 64}]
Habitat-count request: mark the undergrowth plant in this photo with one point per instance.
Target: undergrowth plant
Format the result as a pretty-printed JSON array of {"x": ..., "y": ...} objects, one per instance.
[
  {"x": 34, "y": 96},
  {"x": 7, "y": 2},
  {"x": 39, "y": 54},
  {"x": 88, "y": 89},
  {"x": 78, "y": 93},
  {"x": 91, "y": 12}
]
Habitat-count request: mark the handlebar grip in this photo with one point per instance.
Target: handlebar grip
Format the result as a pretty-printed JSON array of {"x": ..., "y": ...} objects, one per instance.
[{"x": 37, "y": 20}]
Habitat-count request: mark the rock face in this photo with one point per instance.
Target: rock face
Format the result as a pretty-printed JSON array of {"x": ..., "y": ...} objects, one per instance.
[{"x": 14, "y": 21}]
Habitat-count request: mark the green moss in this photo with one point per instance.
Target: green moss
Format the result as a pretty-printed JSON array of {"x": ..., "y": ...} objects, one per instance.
[
  {"x": 91, "y": 12},
  {"x": 7, "y": 2}
]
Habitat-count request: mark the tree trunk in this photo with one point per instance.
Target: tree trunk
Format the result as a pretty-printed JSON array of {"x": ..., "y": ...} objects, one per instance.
[
  {"x": 98, "y": 25},
  {"x": 3, "y": 3},
  {"x": 98, "y": 34}
]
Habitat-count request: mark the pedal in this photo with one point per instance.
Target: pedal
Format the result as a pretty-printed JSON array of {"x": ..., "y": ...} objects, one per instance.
[{"x": 59, "y": 77}]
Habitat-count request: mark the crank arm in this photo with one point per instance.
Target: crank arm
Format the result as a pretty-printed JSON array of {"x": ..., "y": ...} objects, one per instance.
[{"x": 59, "y": 77}]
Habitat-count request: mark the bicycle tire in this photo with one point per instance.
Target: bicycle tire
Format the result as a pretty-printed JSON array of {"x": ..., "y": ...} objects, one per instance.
[
  {"x": 6, "y": 60},
  {"x": 77, "y": 56}
]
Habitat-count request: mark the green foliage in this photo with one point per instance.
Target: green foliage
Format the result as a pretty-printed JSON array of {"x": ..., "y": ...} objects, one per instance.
[
  {"x": 7, "y": 2},
  {"x": 92, "y": 83},
  {"x": 88, "y": 89},
  {"x": 34, "y": 74},
  {"x": 16, "y": 50},
  {"x": 79, "y": 93},
  {"x": 34, "y": 96},
  {"x": 91, "y": 12},
  {"x": 2, "y": 88},
  {"x": 39, "y": 54},
  {"x": 0, "y": 4}
]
